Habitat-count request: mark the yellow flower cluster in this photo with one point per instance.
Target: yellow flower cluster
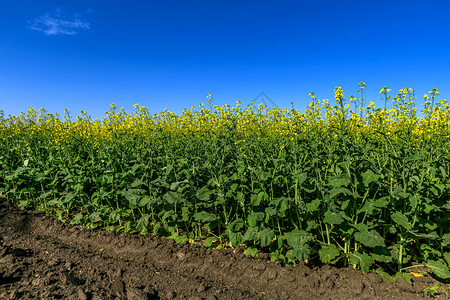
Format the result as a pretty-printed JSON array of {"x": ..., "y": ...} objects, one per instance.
[{"x": 250, "y": 123}]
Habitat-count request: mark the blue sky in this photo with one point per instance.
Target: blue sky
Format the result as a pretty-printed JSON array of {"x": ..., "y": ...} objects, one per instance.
[{"x": 83, "y": 55}]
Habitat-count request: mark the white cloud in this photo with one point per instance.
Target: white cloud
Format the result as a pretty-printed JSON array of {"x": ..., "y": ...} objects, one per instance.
[{"x": 57, "y": 25}]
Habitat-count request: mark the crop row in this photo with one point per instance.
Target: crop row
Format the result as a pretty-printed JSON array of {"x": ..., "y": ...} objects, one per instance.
[{"x": 347, "y": 185}]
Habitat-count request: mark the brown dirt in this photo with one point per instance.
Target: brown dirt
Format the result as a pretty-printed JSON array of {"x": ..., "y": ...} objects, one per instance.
[{"x": 41, "y": 258}]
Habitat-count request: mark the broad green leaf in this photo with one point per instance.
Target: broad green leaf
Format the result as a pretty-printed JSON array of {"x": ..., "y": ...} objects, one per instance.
[
  {"x": 77, "y": 219},
  {"x": 401, "y": 219},
  {"x": 369, "y": 177},
  {"x": 95, "y": 217},
  {"x": 446, "y": 239},
  {"x": 345, "y": 204},
  {"x": 333, "y": 218},
  {"x": 297, "y": 238},
  {"x": 209, "y": 241},
  {"x": 144, "y": 201},
  {"x": 381, "y": 202},
  {"x": 413, "y": 200},
  {"x": 236, "y": 238},
  {"x": 68, "y": 197},
  {"x": 203, "y": 194},
  {"x": 313, "y": 205},
  {"x": 236, "y": 225},
  {"x": 24, "y": 203},
  {"x": 255, "y": 200},
  {"x": 254, "y": 218},
  {"x": 370, "y": 239},
  {"x": 137, "y": 183},
  {"x": 336, "y": 191},
  {"x": 251, "y": 234},
  {"x": 363, "y": 261},
  {"x": 438, "y": 268},
  {"x": 270, "y": 211},
  {"x": 175, "y": 185},
  {"x": 301, "y": 177},
  {"x": 205, "y": 217},
  {"x": 251, "y": 251},
  {"x": 301, "y": 253},
  {"x": 132, "y": 196},
  {"x": 266, "y": 237},
  {"x": 172, "y": 197},
  {"x": 181, "y": 239},
  {"x": 142, "y": 223},
  {"x": 328, "y": 253},
  {"x": 339, "y": 180}
]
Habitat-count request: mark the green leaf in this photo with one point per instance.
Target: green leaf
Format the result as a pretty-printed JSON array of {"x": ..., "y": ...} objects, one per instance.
[
  {"x": 172, "y": 197},
  {"x": 68, "y": 197},
  {"x": 447, "y": 257},
  {"x": 142, "y": 223},
  {"x": 301, "y": 177},
  {"x": 254, "y": 218},
  {"x": 24, "y": 204},
  {"x": 175, "y": 185},
  {"x": 401, "y": 220},
  {"x": 446, "y": 239},
  {"x": 205, "y": 217},
  {"x": 236, "y": 225},
  {"x": 363, "y": 261},
  {"x": 236, "y": 238},
  {"x": 381, "y": 202},
  {"x": 132, "y": 197},
  {"x": 301, "y": 253},
  {"x": 255, "y": 200},
  {"x": 336, "y": 191},
  {"x": 77, "y": 219},
  {"x": 405, "y": 276},
  {"x": 361, "y": 227},
  {"x": 266, "y": 237},
  {"x": 297, "y": 238},
  {"x": 369, "y": 177},
  {"x": 333, "y": 218},
  {"x": 137, "y": 183},
  {"x": 339, "y": 180},
  {"x": 381, "y": 254},
  {"x": 370, "y": 239},
  {"x": 209, "y": 241},
  {"x": 313, "y": 205},
  {"x": 384, "y": 275},
  {"x": 438, "y": 268},
  {"x": 144, "y": 201},
  {"x": 328, "y": 253},
  {"x": 251, "y": 235},
  {"x": 251, "y": 251},
  {"x": 429, "y": 236},
  {"x": 203, "y": 194},
  {"x": 413, "y": 158},
  {"x": 181, "y": 239},
  {"x": 135, "y": 168}
]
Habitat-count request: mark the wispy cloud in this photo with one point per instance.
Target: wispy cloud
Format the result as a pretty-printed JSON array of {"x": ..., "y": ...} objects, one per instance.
[{"x": 54, "y": 25}]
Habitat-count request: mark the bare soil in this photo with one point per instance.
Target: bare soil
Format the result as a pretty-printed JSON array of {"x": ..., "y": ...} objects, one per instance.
[{"x": 41, "y": 258}]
